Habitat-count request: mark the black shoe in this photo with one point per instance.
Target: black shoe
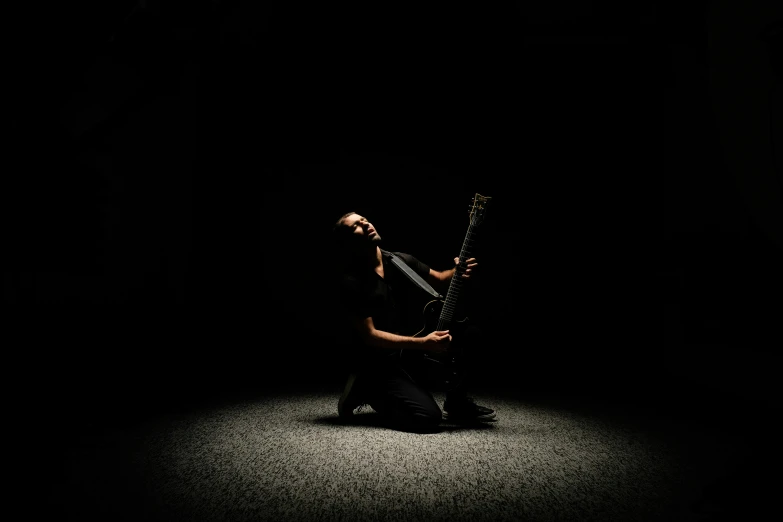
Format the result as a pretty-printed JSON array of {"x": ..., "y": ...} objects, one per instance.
[
  {"x": 350, "y": 400},
  {"x": 466, "y": 410}
]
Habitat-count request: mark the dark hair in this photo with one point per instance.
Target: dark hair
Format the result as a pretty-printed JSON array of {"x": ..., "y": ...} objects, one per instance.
[
  {"x": 340, "y": 233},
  {"x": 339, "y": 223},
  {"x": 344, "y": 247}
]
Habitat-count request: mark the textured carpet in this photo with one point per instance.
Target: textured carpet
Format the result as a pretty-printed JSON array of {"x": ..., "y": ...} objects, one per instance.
[{"x": 286, "y": 456}]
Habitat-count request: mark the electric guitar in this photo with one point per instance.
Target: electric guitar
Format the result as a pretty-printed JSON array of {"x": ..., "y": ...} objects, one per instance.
[{"x": 438, "y": 314}]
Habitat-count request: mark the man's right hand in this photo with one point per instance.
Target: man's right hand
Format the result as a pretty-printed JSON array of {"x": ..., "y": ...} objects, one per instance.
[{"x": 437, "y": 341}]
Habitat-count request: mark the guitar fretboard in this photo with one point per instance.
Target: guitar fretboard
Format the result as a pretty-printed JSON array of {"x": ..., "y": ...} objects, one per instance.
[{"x": 450, "y": 303}]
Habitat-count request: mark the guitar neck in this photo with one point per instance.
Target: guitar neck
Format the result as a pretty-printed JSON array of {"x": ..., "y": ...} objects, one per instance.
[{"x": 455, "y": 286}]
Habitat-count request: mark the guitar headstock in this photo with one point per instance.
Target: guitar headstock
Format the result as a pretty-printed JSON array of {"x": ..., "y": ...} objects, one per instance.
[{"x": 478, "y": 208}]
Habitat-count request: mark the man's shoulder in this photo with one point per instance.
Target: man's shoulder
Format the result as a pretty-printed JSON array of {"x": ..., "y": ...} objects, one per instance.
[
  {"x": 413, "y": 262},
  {"x": 402, "y": 255}
]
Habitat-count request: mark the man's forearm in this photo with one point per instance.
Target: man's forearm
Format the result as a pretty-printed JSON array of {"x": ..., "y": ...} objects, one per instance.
[
  {"x": 441, "y": 280},
  {"x": 387, "y": 340}
]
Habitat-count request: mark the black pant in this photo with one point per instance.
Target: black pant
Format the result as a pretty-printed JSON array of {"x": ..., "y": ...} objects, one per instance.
[
  {"x": 398, "y": 388},
  {"x": 402, "y": 402}
]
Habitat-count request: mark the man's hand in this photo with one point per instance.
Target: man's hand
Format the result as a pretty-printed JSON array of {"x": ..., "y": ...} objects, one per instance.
[
  {"x": 470, "y": 264},
  {"x": 437, "y": 341}
]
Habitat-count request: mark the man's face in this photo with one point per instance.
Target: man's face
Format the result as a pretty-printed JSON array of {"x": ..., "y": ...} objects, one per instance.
[{"x": 362, "y": 229}]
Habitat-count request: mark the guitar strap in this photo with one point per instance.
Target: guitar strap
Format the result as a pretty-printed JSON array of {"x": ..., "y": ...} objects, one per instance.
[{"x": 413, "y": 276}]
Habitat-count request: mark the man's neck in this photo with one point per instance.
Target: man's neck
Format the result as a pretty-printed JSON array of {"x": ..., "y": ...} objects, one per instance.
[{"x": 375, "y": 257}]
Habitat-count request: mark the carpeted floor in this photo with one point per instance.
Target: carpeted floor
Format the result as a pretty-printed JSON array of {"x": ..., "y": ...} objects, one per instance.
[{"x": 285, "y": 456}]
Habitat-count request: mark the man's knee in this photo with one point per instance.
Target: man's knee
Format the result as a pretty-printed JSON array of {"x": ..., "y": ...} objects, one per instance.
[
  {"x": 419, "y": 420},
  {"x": 422, "y": 422}
]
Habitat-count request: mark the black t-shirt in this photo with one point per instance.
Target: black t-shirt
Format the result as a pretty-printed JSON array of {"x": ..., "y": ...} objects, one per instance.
[{"x": 395, "y": 303}]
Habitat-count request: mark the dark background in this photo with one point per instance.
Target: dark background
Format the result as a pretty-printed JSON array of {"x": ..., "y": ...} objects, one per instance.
[{"x": 175, "y": 169}]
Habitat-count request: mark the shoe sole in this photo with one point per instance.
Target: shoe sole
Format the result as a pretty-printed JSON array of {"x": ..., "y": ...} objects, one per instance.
[{"x": 481, "y": 418}]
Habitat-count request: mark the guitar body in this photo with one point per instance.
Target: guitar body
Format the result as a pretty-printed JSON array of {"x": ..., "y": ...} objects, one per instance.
[{"x": 431, "y": 316}]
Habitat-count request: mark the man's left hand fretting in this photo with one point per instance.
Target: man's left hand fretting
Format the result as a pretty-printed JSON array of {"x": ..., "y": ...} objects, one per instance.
[{"x": 469, "y": 265}]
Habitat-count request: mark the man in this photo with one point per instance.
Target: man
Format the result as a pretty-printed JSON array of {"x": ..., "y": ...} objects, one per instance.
[{"x": 381, "y": 305}]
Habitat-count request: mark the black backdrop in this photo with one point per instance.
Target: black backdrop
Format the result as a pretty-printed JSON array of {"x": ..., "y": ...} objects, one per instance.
[{"x": 177, "y": 169}]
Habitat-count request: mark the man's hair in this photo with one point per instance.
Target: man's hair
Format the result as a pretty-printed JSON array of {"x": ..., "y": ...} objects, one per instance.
[
  {"x": 339, "y": 223},
  {"x": 341, "y": 233},
  {"x": 343, "y": 248}
]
